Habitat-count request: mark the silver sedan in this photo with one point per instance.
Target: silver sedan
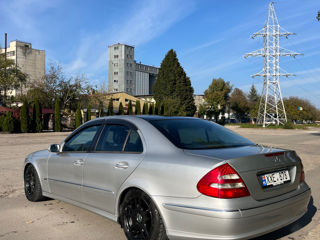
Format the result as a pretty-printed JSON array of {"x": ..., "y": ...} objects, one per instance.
[{"x": 171, "y": 178}]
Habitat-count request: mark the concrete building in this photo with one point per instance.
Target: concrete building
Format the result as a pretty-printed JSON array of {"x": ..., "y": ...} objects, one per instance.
[
  {"x": 126, "y": 75},
  {"x": 28, "y": 60}
]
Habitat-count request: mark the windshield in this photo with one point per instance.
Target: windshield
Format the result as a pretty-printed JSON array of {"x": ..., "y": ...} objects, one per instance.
[{"x": 198, "y": 134}]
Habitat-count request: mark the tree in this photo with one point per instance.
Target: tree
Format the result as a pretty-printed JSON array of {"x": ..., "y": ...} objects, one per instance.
[
  {"x": 11, "y": 77},
  {"x": 120, "y": 111},
  {"x": 138, "y": 108},
  {"x": 2, "y": 117},
  {"x": 110, "y": 107},
  {"x": 88, "y": 116},
  {"x": 38, "y": 116},
  {"x": 172, "y": 82},
  {"x": 70, "y": 90},
  {"x": 161, "y": 110},
  {"x": 145, "y": 109},
  {"x": 253, "y": 98},
  {"x": 8, "y": 123},
  {"x": 298, "y": 109},
  {"x": 157, "y": 108},
  {"x": 171, "y": 108},
  {"x": 24, "y": 117},
  {"x": 216, "y": 97},
  {"x": 101, "y": 111},
  {"x": 239, "y": 104},
  {"x": 151, "y": 110},
  {"x": 78, "y": 116},
  {"x": 129, "y": 110},
  {"x": 57, "y": 116},
  {"x": 202, "y": 110}
]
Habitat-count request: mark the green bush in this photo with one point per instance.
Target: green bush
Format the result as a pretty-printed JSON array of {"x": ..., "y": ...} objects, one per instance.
[
  {"x": 8, "y": 123},
  {"x": 24, "y": 117},
  {"x": 120, "y": 111},
  {"x": 2, "y": 117},
  {"x": 138, "y": 108},
  {"x": 57, "y": 116},
  {"x": 38, "y": 116},
  {"x": 288, "y": 125}
]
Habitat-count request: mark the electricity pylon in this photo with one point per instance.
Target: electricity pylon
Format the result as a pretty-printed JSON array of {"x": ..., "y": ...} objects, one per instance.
[{"x": 271, "y": 107}]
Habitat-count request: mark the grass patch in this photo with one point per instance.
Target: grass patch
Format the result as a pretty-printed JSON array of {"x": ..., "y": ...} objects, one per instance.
[{"x": 285, "y": 126}]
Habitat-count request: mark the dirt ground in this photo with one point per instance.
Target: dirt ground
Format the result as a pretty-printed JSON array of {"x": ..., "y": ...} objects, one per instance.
[{"x": 21, "y": 219}]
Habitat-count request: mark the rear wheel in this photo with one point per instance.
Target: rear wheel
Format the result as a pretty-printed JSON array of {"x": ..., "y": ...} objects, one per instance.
[
  {"x": 32, "y": 186},
  {"x": 140, "y": 218}
]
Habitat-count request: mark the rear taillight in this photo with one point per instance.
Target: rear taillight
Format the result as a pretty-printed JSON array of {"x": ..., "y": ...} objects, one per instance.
[
  {"x": 302, "y": 175},
  {"x": 223, "y": 182}
]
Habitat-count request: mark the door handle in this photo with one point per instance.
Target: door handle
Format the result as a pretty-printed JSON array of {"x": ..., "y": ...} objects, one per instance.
[
  {"x": 78, "y": 162},
  {"x": 121, "y": 165}
]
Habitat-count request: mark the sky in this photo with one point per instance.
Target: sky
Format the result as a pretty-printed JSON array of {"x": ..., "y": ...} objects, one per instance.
[{"x": 210, "y": 37}]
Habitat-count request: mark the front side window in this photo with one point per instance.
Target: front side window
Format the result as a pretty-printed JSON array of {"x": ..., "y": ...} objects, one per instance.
[
  {"x": 82, "y": 141},
  {"x": 112, "y": 138}
]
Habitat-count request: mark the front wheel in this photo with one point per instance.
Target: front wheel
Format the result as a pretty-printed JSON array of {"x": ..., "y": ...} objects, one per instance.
[
  {"x": 32, "y": 186},
  {"x": 140, "y": 218}
]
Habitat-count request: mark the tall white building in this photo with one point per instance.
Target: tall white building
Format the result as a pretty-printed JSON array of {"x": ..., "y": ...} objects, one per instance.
[
  {"x": 125, "y": 75},
  {"x": 28, "y": 60}
]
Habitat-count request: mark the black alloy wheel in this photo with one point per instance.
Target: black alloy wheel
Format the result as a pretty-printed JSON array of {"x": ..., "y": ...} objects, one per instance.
[
  {"x": 140, "y": 218},
  {"x": 32, "y": 186}
]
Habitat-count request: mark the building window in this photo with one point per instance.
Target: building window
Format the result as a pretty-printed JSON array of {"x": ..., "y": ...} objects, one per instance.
[
  {"x": 115, "y": 80},
  {"x": 115, "y": 73},
  {"x": 130, "y": 64},
  {"x": 115, "y": 64},
  {"x": 115, "y": 56},
  {"x": 127, "y": 91},
  {"x": 116, "y": 48},
  {"x": 115, "y": 89},
  {"x": 11, "y": 54},
  {"x": 130, "y": 89}
]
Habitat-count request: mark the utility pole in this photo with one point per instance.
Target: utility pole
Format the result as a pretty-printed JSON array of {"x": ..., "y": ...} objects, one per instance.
[
  {"x": 5, "y": 67},
  {"x": 271, "y": 107}
]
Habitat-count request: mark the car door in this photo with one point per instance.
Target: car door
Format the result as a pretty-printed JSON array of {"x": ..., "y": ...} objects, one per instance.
[
  {"x": 65, "y": 168},
  {"x": 118, "y": 152}
]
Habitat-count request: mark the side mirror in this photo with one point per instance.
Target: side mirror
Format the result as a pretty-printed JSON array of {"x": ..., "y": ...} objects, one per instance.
[{"x": 54, "y": 148}]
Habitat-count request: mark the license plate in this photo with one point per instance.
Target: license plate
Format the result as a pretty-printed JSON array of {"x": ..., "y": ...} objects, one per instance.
[{"x": 276, "y": 178}]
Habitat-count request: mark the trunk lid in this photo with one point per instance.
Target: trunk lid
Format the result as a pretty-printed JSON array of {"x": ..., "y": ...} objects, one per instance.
[{"x": 253, "y": 162}]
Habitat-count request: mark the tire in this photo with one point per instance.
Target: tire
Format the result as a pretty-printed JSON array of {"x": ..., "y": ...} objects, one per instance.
[
  {"x": 140, "y": 218},
  {"x": 32, "y": 186}
]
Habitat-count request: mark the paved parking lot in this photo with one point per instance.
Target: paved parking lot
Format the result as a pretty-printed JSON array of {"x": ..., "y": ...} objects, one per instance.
[{"x": 20, "y": 219}]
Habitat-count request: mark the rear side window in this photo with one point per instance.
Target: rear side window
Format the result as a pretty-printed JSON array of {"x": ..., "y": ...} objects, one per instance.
[
  {"x": 113, "y": 138},
  {"x": 134, "y": 143}
]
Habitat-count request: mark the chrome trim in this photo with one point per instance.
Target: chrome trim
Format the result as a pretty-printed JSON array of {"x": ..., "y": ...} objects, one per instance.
[
  {"x": 198, "y": 208},
  {"x": 87, "y": 186}
]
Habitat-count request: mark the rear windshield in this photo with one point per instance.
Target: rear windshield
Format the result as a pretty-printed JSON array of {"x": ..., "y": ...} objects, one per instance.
[{"x": 198, "y": 134}]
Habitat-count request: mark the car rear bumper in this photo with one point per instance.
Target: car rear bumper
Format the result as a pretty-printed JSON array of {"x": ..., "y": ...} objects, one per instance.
[{"x": 190, "y": 222}]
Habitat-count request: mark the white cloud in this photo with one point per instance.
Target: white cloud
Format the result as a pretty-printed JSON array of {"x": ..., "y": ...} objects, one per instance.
[{"x": 147, "y": 20}]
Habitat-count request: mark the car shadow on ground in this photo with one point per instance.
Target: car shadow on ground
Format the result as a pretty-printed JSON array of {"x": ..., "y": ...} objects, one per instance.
[
  {"x": 315, "y": 134},
  {"x": 293, "y": 227}
]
